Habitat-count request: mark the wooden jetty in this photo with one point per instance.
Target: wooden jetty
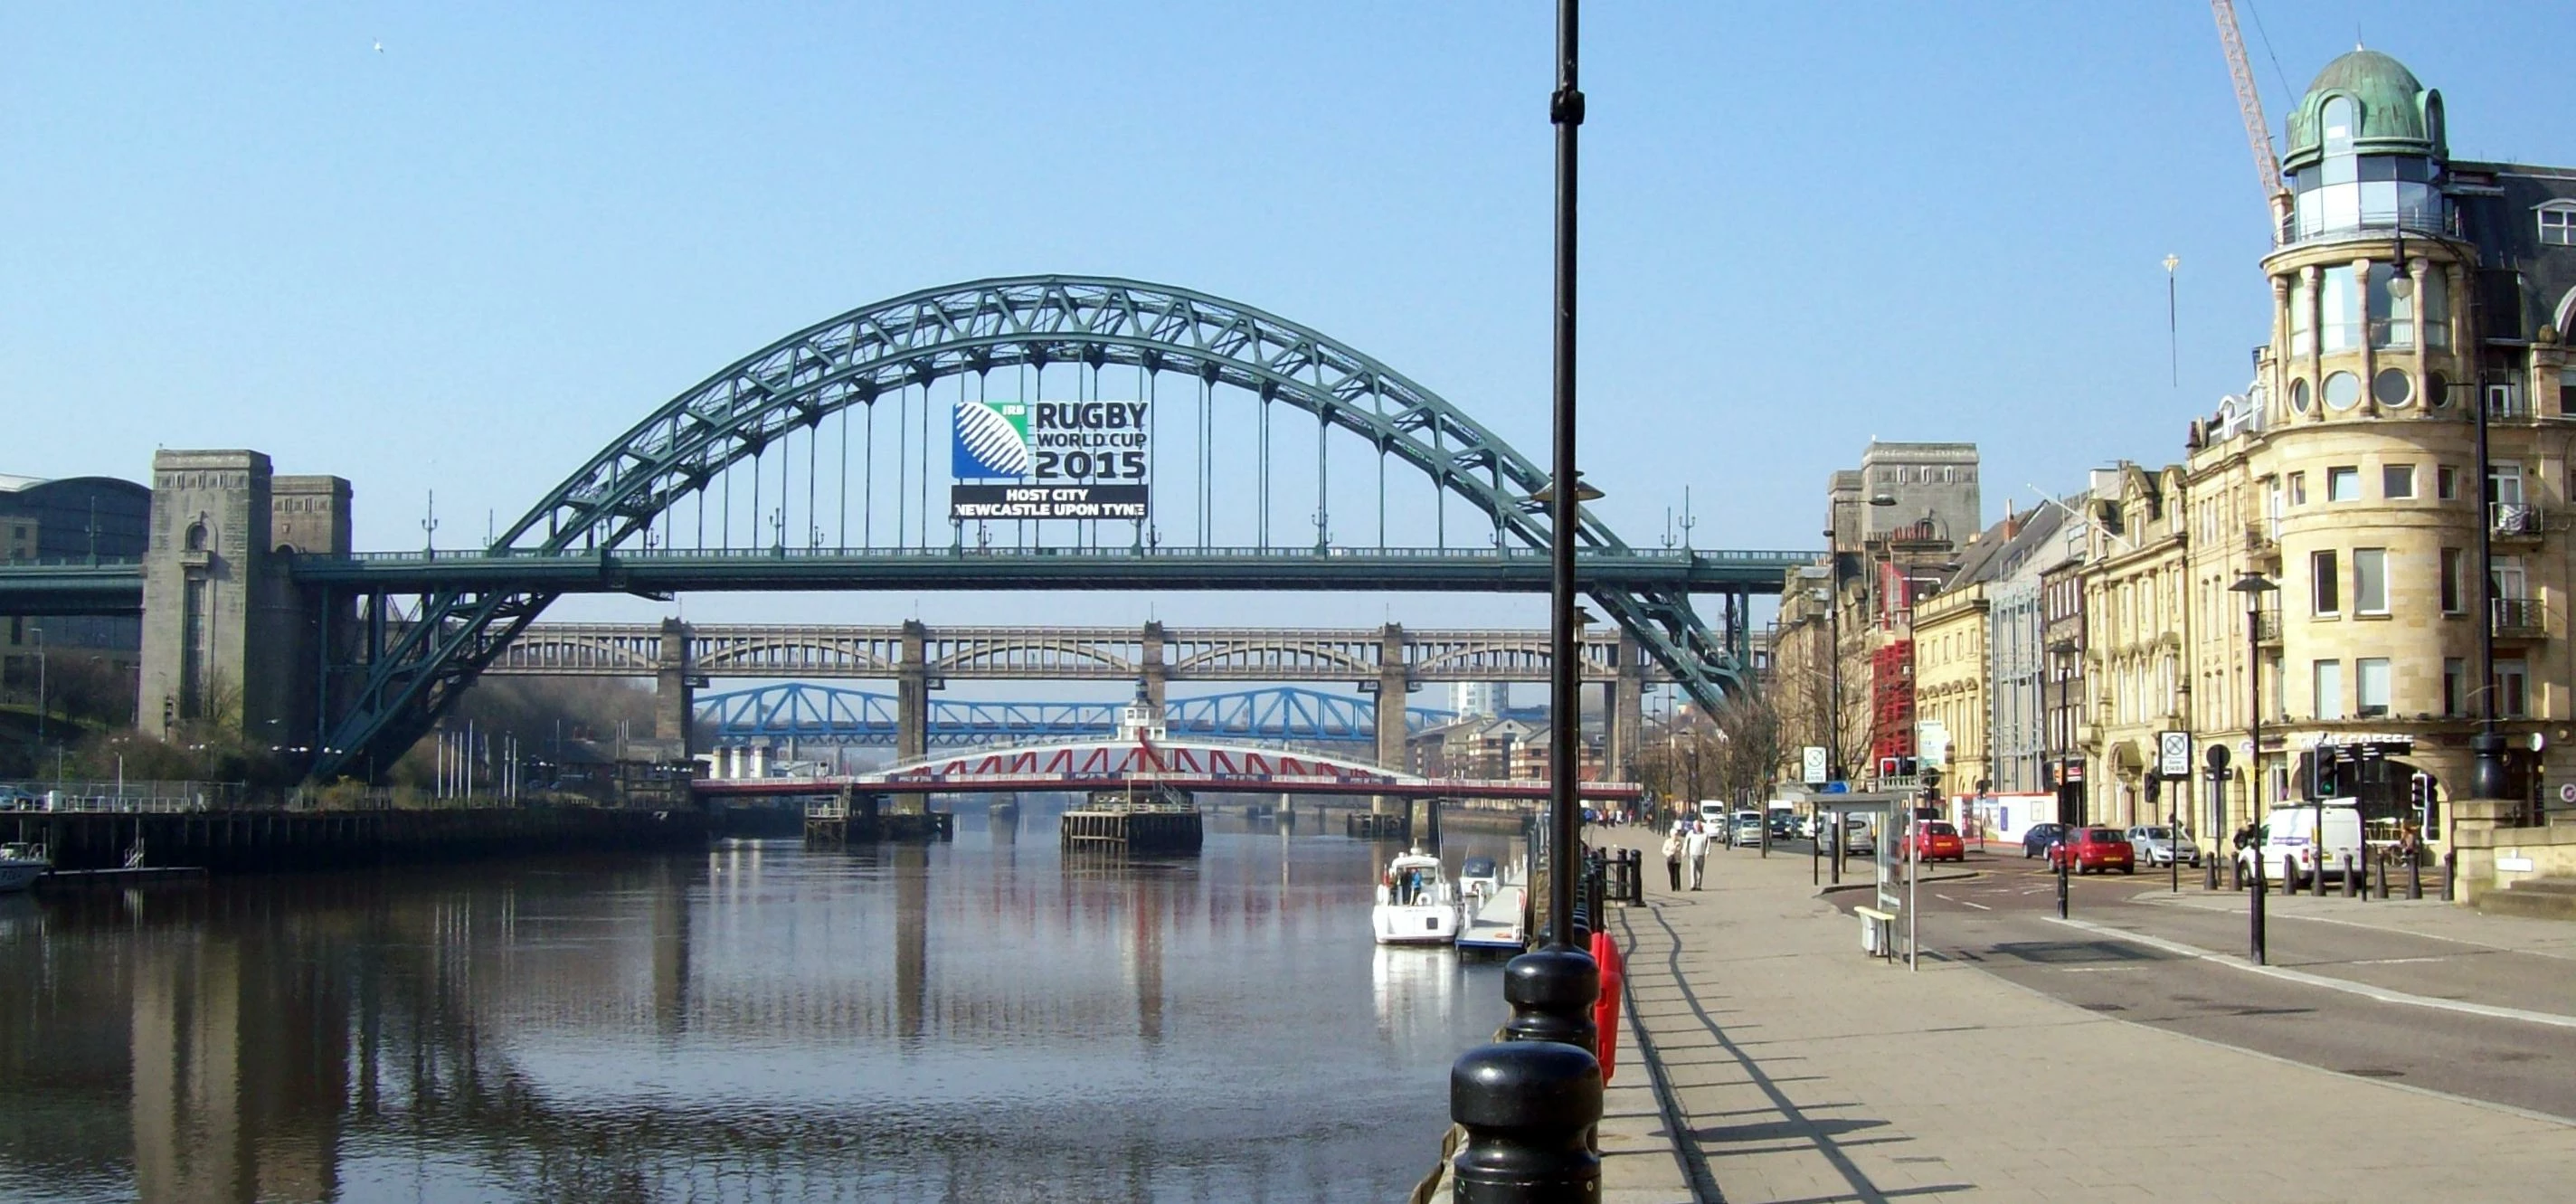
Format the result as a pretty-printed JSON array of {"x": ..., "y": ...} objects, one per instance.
[
  {"x": 1156, "y": 820},
  {"x": 853, "y": 816}
]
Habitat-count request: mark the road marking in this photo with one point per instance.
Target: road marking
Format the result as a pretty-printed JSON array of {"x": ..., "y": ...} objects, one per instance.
[
  {"x": 2365, "y": 990},
  {"x": 2397, "y": 961},
  {"x": 1977, "y": 905}
]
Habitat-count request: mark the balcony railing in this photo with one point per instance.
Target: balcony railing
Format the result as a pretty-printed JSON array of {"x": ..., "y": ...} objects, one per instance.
[
  {"x": 2514, "y": 520},
  {"x": 2521, "y": 617},
  {"x": 2267, "y": 627}
]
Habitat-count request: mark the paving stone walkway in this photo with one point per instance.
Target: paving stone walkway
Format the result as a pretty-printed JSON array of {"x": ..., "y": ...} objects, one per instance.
[{"x": 1808, "y": 1072}]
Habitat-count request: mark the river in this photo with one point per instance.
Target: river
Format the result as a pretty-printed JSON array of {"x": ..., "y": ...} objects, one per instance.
[{"x": 986, "y": 1019}]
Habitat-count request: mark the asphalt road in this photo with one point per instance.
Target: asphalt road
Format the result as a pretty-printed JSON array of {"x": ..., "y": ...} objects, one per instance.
[{"x": 2182, "y": 968}]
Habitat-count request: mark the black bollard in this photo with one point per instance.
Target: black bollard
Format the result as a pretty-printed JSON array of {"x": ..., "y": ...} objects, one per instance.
[
  {"x": 1529, "y": 1108},
  {"x": 2209, "y": 874},
  {"x": 2382, "y": 870},
  {"x": 2289, "y": 876},
  {"x": 1551, "y": 990},
  {"x": 2351, "y": 886},
  {"x": 2236, "y": 872},
  {"x": 2061, "y": 886},
  {"x": 2414, "y": 874},
  {"x": 2450, "y": 867},
  {"x": 2255, "y": 916}
]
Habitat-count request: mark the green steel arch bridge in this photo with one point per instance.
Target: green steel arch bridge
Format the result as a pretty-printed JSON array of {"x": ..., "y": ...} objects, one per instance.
[{"x": 1273, "y": 458}]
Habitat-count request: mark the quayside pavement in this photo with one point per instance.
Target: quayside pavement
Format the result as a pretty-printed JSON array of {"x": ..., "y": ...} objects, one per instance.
[{"x": 1805, "y": 1071}]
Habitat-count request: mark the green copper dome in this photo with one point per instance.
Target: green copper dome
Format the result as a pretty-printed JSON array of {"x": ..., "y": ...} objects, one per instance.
[{"x": 2392, "y": 113}]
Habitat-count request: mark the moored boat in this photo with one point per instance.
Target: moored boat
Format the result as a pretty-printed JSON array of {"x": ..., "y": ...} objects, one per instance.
[
  {"x": 1493, "y": 920},
  {"x": 1416, "y": 902},
  {"x": 21, "y": 865}
]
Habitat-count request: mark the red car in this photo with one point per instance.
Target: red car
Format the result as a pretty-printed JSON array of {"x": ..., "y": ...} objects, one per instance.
[
  {"x": 1938, "y": 840},
  {"x": 2088, "y": 850}
]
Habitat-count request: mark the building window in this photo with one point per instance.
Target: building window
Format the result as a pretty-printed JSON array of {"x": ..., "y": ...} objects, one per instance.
[
  {"x": 2392, "y": 387},
  {"x": 2335, "y": 118},
  {"x": 2302, "y": 333},
  {"x": 2455, "y": 677},
  {"x": 2371, "y": 679},
  {"x": 2323, "y": 587},
  {"x": 2454, "y": 578},
  {"x": 2299, "y": 395},
  {"x": 2446, "y": 483},
  {"x": 2339, "y": 303},
  {"x": 2343, "y": 484},
  {"x": 2298, "y": 489},
  {"x": 2370, "y": 581},
  {"x": 2512, "y": 583},
  {"x": 2567, "y": 390},
  {"x": 2511, "y": 681},
  {"x": 2558, "y": 224},
  {"x": 2342, "y": 390},
  {"x": 2326, "y": 679},
  {"x": 2392, "y": 318},
  {"x": 2397, "y": 481},
  {"x": 2437, "y": 315}
]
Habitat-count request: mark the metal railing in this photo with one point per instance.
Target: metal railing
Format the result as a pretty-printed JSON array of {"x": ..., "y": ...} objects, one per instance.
[
  {"x": 1113, "y": 551},
  {"x": 2514, "y": 519},
  {"x": 2521, "y": 616}
]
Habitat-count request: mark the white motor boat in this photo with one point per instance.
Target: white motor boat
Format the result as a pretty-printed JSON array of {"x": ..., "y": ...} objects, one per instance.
[
  {"x": 1416, "y": 902},
  {"x": 21, "y": 865},
  {"x": 1494, "y": 902}
]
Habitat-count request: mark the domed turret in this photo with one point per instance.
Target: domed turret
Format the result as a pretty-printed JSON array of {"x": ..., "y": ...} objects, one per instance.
[
  {"x": 2365, "y": 152},
  {"x": 2366, "y": 103}
]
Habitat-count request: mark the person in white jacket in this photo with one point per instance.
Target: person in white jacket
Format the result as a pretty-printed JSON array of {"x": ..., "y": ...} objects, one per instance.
[{"x": 1695, "y": 847}]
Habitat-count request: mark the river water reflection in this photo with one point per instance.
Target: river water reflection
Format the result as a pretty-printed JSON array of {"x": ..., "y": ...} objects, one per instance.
[{"x": 985, "y": 1020}]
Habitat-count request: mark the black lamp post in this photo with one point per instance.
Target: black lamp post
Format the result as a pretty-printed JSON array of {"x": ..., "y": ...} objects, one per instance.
[
  {"x": 2486, "y": 778},
  {"x": 1529, "y": 1103},
  {"x": 2254, "y": 586}
]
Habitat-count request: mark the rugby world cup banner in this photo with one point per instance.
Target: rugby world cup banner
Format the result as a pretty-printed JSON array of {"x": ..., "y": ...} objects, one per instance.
[{"x": 1049, "y": 459}]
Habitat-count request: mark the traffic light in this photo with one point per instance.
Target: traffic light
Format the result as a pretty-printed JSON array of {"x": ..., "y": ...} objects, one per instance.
[
  {"x": 2155, "y": 788},
  {"x": 1931, "y": 785}
]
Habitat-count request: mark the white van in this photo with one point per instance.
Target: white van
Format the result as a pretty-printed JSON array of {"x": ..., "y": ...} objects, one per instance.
[
  {"x": 1713, "y": 813},
  {"x": 2289, "y": 835}
]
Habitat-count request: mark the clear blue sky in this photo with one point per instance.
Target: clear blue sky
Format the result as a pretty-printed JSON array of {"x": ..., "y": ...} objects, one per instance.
[{"x": 469, "y": 260}]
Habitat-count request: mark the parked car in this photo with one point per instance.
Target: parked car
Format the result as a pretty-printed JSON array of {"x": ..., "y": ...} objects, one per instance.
[
  {"x": 2155, "y": 844},
  {"x": 1746, "y": 829},
  {"x": 2092, "y": 850},
  {"x": 1938, "y": 840},
  {"x": 1857, "y": 837},
  {"x": 2036, "y": 841},
  {"x": 13, "y": 798},
  {"x": 1784, "y": 824}
]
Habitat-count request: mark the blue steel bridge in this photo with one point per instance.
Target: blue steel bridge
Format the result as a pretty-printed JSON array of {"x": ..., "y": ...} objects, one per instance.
[
  {"x": 826, "y": 716},
  {"x": 1275, "y": 458}
]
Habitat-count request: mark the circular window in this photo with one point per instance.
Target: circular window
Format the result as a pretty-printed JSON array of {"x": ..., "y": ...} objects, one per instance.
[
  {"x": 2392, "y": 387},
  {"x": 2342, "y": 391},
  {"x": 2299, "y": 395},
  {"x": 2437, "y": 391}
]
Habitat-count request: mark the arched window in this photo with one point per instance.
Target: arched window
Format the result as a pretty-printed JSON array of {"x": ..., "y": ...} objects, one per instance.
[
  {"x": 196, "y": 537},
  {"x": 2558, "y": 224},
  {"x": 2336, "y": 121}
]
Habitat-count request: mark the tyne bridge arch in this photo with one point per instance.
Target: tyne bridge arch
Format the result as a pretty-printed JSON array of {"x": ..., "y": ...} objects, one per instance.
[{"x": 745, "y": 480}]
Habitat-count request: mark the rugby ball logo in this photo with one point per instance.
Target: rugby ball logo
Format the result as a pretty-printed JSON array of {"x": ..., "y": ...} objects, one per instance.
[{"x": 992, "y": 440}]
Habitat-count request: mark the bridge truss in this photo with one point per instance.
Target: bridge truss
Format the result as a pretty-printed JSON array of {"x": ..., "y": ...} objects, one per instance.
[
  {"x": 837, "y": 716},
  {"x": 771, "y": 449}
]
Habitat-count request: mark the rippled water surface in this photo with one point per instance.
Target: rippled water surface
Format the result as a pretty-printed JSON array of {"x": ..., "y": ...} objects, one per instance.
[{"x": 984, "y": 1020}]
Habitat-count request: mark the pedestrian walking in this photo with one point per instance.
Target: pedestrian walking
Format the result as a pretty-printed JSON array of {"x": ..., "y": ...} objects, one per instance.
[
  {"x": 1695, "y": 847},
  {"x": 1673, "y": 855}
]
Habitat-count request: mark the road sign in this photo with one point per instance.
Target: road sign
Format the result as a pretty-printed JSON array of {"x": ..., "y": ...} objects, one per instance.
[
  {"x": 2567, "y": 793},
  {"x": 2173, "y": 754},
  {"x": 1932, "y": 743},
  {"x": 1812, "y": 762}
]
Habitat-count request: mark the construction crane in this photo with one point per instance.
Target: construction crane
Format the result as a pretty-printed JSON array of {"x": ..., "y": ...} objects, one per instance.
[{"x": 2249, "y": 104}]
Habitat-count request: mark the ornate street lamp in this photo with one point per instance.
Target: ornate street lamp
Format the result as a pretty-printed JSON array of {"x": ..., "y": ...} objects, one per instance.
[{"x": 2254, "y": 585}]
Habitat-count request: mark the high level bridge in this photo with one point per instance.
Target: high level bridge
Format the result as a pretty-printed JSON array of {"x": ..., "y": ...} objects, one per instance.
[
  {"x": 1026, "y": 433},
  {"x": 1384, "y": 662}
]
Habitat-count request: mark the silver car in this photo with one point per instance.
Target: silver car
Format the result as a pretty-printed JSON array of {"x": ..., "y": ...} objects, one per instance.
[{"x": 2154, "y": 845}]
